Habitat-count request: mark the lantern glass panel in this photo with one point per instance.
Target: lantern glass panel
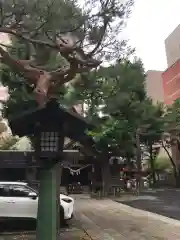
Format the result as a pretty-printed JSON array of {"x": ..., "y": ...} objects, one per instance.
[{"x": 49, "y": 141}]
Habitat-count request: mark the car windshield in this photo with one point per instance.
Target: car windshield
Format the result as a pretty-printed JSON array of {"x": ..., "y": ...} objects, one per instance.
[{"x": 33, "y": 187}]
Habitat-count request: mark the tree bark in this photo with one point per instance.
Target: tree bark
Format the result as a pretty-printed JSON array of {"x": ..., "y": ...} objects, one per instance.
[
  {"x": 58, "y": 184},
  {"x": 152, "y": 163},
  {"x": 31, "y": 174},
  {"x": 138, "y": 161},
  {"x": 176, "y": 171},
  {"x": 106, "y": 177}
]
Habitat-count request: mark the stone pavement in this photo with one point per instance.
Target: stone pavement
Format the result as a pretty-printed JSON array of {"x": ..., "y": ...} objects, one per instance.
[
  {"x": 69, "y": 235},
  {"x": 161, "y": 201},
  {"x": 73, "y": 232},
  {"x": 109, "y": 220}
]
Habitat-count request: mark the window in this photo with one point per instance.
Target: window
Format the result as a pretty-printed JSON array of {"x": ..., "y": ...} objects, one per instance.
[
  {"x": 19, "y": 191},
  {"x": 4, "y": 190},
  {"x": 49, "y": 141}
]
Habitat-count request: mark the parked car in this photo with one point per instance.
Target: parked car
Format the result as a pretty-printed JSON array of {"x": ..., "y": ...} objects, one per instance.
[{"x": 18, "y": 200}]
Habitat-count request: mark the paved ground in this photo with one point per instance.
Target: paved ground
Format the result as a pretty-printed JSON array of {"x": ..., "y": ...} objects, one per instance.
[
  {"x": 163, "y": 201},
  {"x": 109, "y": 220},
  {"x": 74, "y": 231},
  {"x": 69, "y": 235}
]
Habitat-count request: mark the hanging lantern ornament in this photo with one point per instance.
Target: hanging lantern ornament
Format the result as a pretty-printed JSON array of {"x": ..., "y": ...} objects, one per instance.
[
  {"x": 78, "y": 171},
  {"x": 71, "y": 172}
]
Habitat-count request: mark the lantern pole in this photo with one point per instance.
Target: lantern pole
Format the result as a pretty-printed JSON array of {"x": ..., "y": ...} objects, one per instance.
[
  {"x": 48, "y": 218},
  {"x": 48, "y": 205}
]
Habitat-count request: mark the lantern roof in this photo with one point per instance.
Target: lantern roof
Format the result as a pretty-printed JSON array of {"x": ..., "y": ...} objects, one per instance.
[{"x": 53, "y": 114}]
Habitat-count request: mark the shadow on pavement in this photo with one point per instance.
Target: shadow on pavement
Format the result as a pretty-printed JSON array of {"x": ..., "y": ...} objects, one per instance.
[
  {"x": 19, "y": 230},
  {"x": 25, "y": 230},
  {"x": 18, "y": 226}
]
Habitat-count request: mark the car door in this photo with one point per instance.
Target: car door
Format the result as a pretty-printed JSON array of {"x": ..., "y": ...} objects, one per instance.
[
  {"x": 5, "y": 203},
  {"x": 24, "y": 205}
]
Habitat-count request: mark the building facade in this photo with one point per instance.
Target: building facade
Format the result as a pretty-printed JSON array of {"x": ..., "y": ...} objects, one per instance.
[
  {"x": 172, "y": 46},
  {"x": 171, "y": 76},
  {"x": 171, "y": 83},
  {"x": 154, "y": 86}
]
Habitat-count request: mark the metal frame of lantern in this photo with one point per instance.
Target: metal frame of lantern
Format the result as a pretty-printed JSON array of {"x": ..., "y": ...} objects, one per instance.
[{"x": 48, "y": 145}]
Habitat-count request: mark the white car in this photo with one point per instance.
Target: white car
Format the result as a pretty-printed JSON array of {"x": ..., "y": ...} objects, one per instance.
[{"x": 18, "y": 200}]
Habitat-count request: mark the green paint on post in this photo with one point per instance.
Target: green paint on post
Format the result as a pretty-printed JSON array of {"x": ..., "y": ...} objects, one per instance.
[{"x": 47, "y": 220}]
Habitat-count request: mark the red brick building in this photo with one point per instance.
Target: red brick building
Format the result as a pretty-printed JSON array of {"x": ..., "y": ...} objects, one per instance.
[
  {"x": 171, "y": 83},
  {"x": 171, "y": 77}
]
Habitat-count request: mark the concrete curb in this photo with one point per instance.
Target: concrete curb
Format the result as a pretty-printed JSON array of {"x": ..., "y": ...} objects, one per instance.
[{"x": 143, "y": 213}]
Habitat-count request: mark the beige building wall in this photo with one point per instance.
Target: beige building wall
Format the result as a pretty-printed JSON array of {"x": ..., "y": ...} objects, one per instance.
[
  {"x": 154, "y": 85},
  {"x": 172, "y": 46}
]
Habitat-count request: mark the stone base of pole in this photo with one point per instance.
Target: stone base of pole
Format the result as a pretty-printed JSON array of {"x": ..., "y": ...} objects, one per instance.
[{"x": 48, "y": 205}]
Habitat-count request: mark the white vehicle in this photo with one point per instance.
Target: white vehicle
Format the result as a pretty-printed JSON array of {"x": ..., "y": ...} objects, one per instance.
[{"x": 18, "y": 200}]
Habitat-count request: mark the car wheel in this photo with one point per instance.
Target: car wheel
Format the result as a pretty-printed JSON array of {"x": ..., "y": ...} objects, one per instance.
[{"x": 62, "y": 220}]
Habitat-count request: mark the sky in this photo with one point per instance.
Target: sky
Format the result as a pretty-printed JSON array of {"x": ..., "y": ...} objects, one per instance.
[{"x": 150, "y": 24}]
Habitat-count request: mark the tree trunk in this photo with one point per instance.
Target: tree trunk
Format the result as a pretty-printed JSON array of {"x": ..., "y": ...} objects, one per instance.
[
  {"x": 138, "y": 161},
  {"x": 93, "y": 178},
  {"x": 106, "y": 177},
  {"x": 59, "y": 170},
  {"x": 152, "y": 164},
  {"x": 178, "y": 167},
  {"x": 176, "y": 171},
  {"x": 129, "y": 165},
  {"x": 30, "y": 174},
  {"x": 178, "y": 145}
]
